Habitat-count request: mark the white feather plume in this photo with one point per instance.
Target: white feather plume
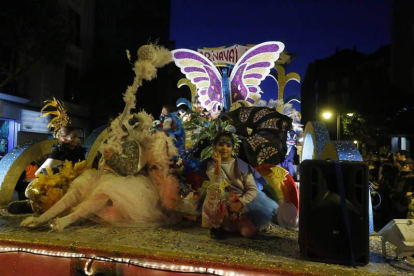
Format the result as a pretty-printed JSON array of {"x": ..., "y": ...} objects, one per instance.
[
  {"x": 144, "y": 68},
  {"x": 162, "y": 148}
]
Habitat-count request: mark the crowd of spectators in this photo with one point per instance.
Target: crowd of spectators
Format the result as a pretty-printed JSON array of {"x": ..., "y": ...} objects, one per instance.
[{"x": 392, "y": 180}]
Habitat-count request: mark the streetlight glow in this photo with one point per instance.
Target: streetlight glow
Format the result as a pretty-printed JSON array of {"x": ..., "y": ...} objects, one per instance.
[
  {"x": 349, "y": 114},
  {"x": 327, "y": 115}
]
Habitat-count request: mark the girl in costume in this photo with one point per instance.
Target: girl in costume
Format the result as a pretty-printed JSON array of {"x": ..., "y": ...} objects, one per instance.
[
  {"x": 233, "y": 201},
  {"x": 41, "y": 195},
  {"x": 68, "y": 148}
]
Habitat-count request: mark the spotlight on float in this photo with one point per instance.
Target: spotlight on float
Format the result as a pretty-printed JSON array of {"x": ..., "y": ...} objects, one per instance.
[{"x": 400, "y": 233}]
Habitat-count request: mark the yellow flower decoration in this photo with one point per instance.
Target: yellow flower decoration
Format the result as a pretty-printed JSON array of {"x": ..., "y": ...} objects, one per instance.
[
  {"x": 206, "y": 184},
  {"x": 52, "y": 196},
  {"x": 67, "y": 171},
  {"x": 223, "y": 184},
  {"x": 79, "y": 167},
  {"x": 48, "y": 189}
]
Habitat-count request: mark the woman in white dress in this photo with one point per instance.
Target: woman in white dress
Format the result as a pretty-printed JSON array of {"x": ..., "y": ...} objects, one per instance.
[{"x": 134, "y": 188}]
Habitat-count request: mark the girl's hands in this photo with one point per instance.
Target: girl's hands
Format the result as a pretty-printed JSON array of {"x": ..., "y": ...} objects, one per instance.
[
  {"x": 235, "y": 206},
  {"x": 216, "y": 157}
]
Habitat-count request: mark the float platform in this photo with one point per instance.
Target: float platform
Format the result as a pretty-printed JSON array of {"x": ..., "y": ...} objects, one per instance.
[{"x": 184, "y": 249}]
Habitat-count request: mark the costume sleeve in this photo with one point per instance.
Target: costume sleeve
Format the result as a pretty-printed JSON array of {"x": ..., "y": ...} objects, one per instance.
[
  {"x": 55, "y": 154},
  {"x": 250, "y": 189},
  {"x": 210, "y": 172}
]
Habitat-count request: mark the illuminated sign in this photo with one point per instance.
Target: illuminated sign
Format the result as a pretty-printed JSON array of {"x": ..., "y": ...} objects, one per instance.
[
  {"x": 31, "y": 122},
  {"x": 222, "y": 55}
]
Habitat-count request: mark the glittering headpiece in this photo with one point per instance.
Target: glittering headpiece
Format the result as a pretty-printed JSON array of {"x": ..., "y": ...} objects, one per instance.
[{"x": 61, "y": 119}]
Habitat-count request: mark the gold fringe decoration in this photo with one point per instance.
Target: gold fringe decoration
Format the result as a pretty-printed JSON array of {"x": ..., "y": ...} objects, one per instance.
[{"x": 61, "y": 119}]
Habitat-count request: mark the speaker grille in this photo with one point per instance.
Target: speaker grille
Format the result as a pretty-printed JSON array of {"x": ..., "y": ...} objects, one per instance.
[{"x": 322, "y": 228}]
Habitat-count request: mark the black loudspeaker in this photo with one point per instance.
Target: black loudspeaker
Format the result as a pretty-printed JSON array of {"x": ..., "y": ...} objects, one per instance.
[{"x": 323, "y": 233}]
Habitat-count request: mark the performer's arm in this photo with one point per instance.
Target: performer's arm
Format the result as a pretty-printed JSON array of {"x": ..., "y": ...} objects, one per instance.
[
  {"x": 214, "y": 171},
  {"x": 250, "y": 189}
]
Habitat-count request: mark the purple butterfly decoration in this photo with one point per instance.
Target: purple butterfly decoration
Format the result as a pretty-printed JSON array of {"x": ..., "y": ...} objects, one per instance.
[{"x": 244, "y": 81}]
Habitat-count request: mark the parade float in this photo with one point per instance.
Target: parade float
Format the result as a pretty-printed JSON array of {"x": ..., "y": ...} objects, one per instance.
[{"x": 225, "y": 98}]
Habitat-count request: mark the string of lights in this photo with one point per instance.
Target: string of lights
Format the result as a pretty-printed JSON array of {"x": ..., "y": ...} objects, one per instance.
[{"x": 130, "y": 262}]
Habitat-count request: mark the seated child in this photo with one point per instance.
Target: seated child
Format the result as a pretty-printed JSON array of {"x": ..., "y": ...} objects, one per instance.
[{"x": 233, "y": 201}]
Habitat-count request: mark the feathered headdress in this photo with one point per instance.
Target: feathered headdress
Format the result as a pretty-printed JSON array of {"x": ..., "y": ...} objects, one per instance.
[{"x": 61, "y": 119}]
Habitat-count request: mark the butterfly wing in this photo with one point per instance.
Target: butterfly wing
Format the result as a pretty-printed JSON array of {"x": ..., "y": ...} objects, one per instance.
[
  {"x": 203, "y": 74},
  {"x": 251, "y": 69}
]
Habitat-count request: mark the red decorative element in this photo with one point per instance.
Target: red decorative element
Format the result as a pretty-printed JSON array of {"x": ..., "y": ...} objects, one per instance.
[
  {"x": 290, "y": 191},
  {"x": 194, "y": 179}
]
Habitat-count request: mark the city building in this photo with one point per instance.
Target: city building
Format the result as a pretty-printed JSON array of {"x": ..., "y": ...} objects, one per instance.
[
  {"x": 22, "y": 98},
  {"x": 402, "y": 72},
  {"x": 94, "y": 71},
  {"x": 378, "y": 85}
]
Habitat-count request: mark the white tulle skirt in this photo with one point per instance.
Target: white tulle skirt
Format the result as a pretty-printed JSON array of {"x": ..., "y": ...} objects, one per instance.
[{"x": 121, "y": 201}]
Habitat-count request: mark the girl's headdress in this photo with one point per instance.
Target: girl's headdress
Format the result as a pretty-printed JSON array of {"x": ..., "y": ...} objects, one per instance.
[{"x": 61, "y": 119}]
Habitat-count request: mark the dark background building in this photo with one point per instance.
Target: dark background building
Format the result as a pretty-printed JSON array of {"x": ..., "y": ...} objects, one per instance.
[
  {"x": 45, "y": 47},
  {"x": 378, "y": 88},
  {"x": 402, "y": 73},
  {"x": 120, "y": 26},
  {"x": 84, "y": 63},
  {"x": 79, "y": 57}
]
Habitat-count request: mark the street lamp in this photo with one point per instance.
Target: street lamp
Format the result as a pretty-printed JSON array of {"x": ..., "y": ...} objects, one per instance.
[{"x": 327, "y": 115}]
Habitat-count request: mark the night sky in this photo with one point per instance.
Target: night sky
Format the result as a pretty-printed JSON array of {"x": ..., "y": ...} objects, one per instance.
[{"x": 310, "y": 29}]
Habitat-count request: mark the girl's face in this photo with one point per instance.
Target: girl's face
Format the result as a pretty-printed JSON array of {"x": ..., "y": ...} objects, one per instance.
[
  {"x": 225, "y": 148},
  {"x": 71, "y": 139}
]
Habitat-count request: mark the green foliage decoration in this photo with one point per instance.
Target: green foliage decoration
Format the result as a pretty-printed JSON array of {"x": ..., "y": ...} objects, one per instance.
[{"x": 205, "y": 129}]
